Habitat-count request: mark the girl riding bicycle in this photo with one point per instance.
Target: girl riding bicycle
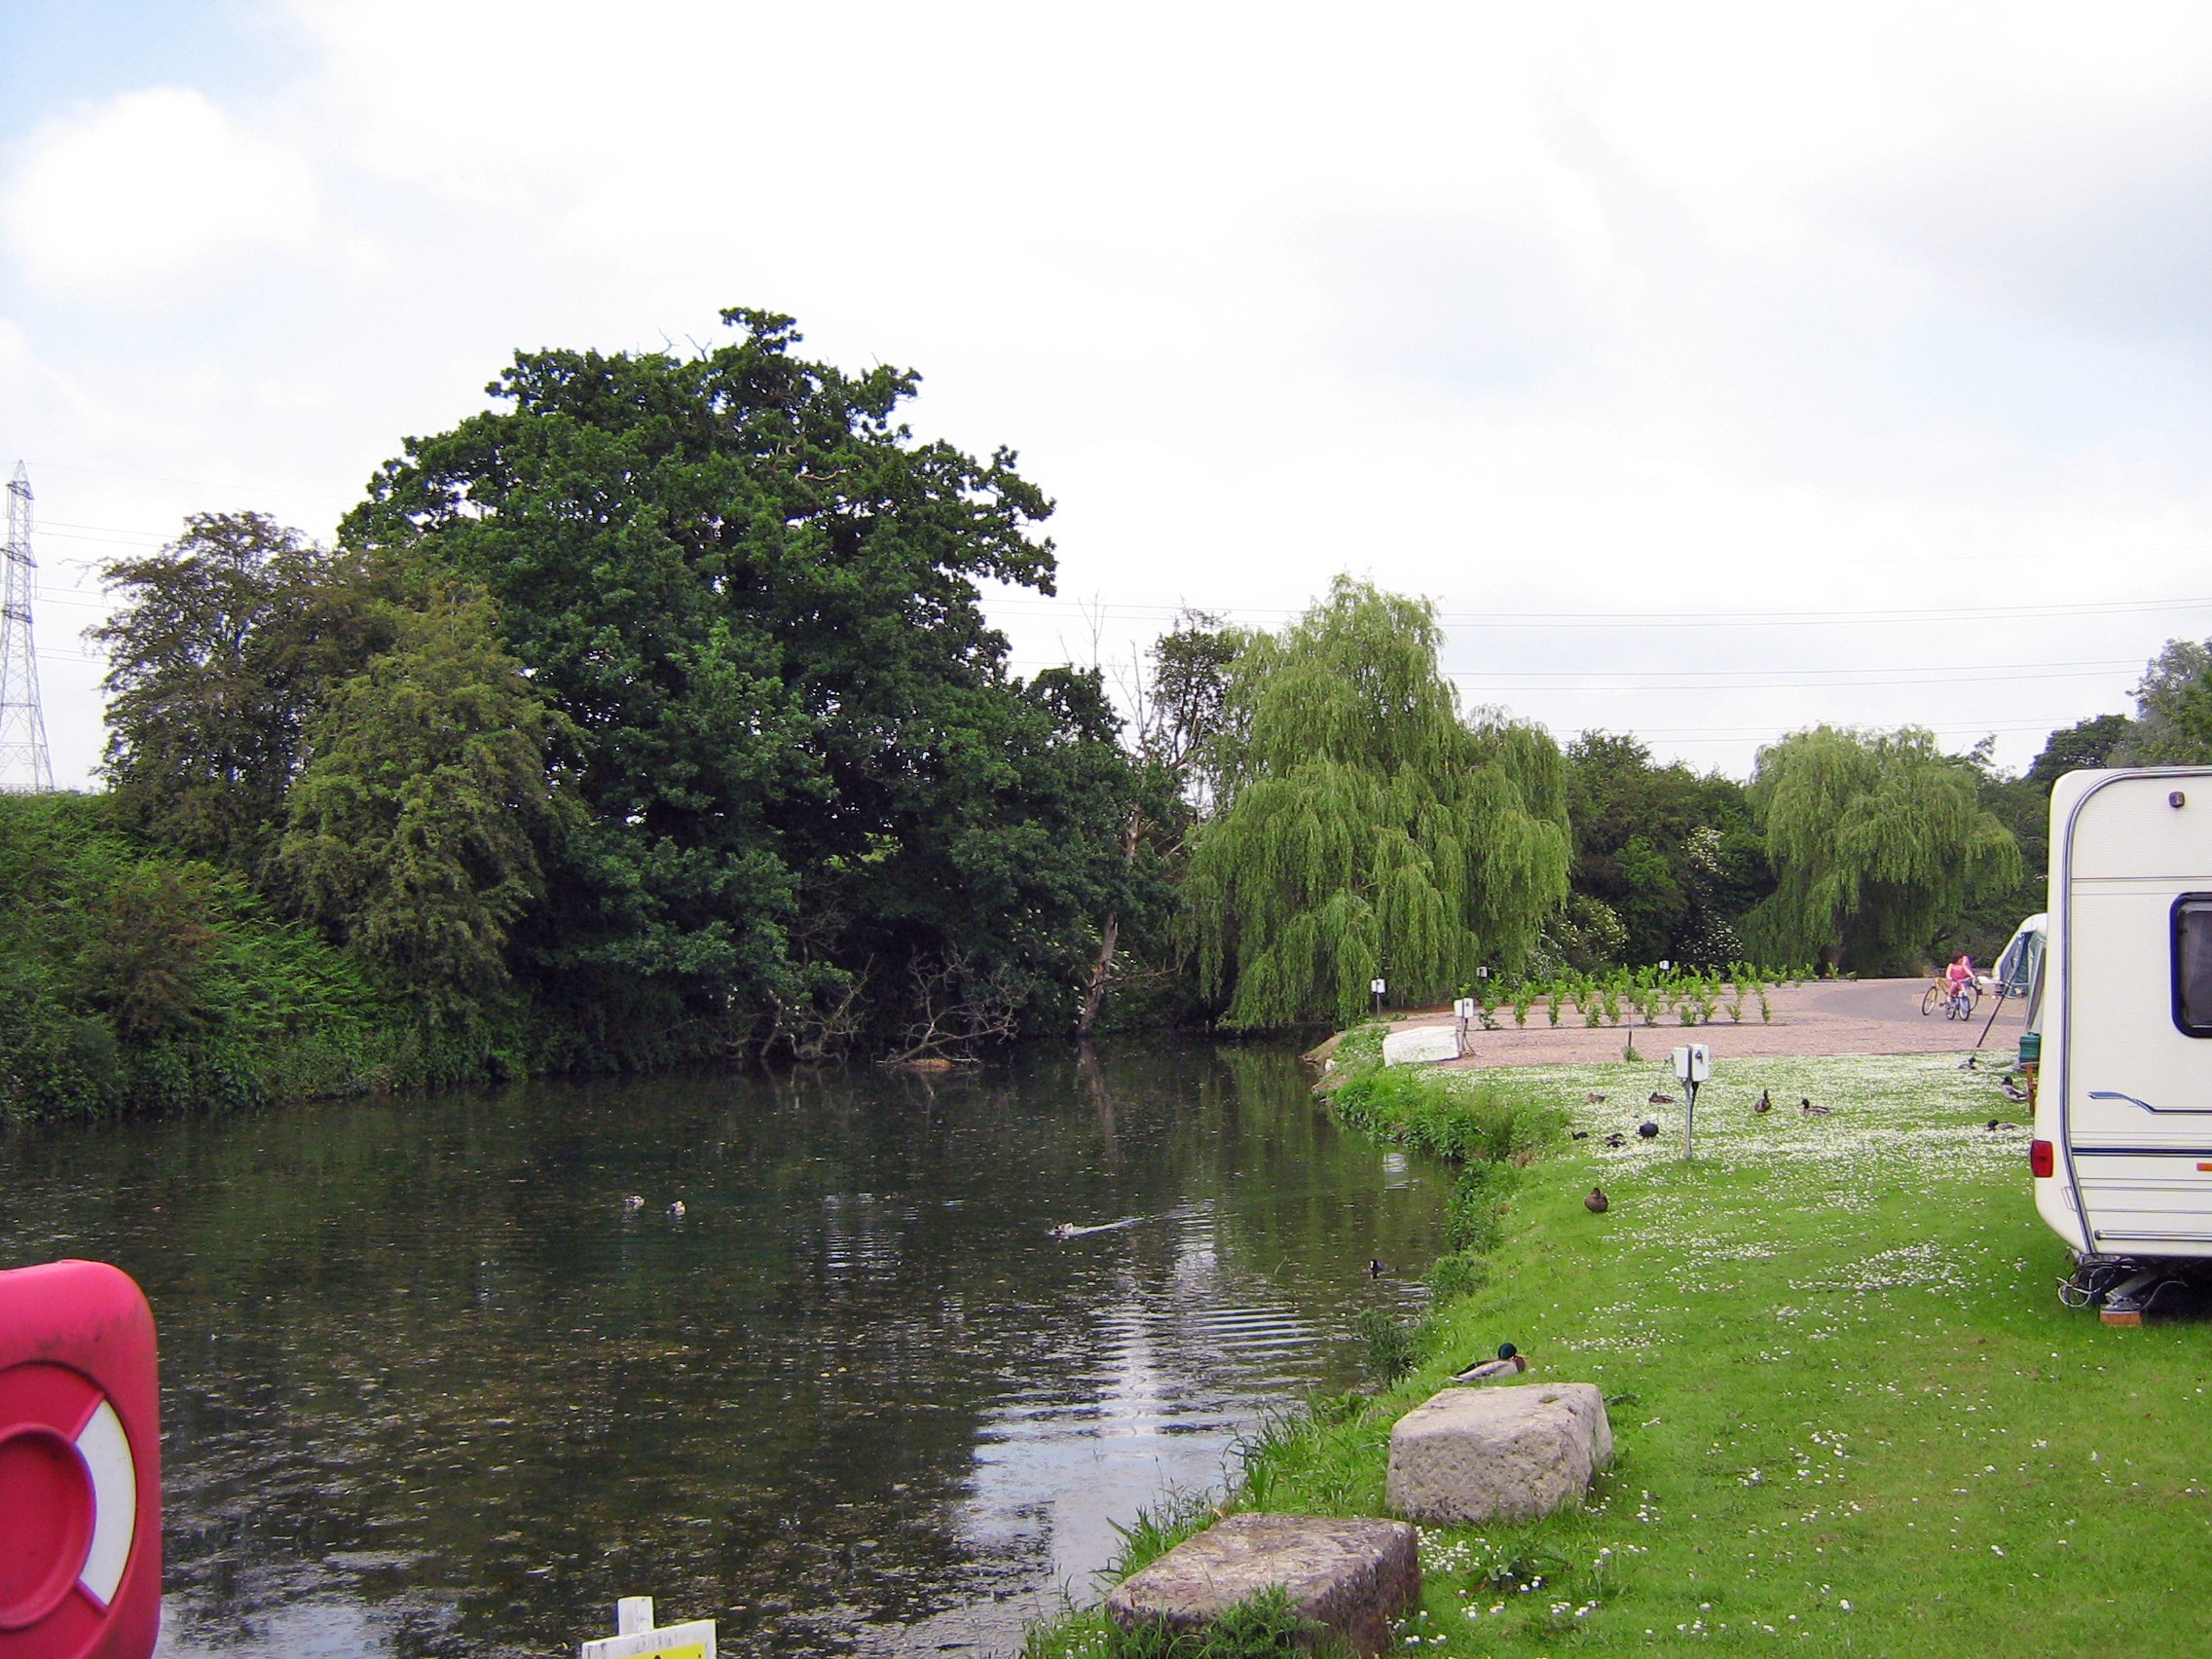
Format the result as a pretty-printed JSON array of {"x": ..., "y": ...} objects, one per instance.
[{"x": 1958, "y": 978}]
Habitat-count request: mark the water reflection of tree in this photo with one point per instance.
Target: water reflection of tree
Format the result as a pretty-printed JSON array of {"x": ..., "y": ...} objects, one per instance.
[{"x": 418, "y": 1354}]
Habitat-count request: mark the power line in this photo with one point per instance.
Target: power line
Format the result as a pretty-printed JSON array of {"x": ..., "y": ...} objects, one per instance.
[
  {"x": 1695, "y": 618},
  {"x": 1585, "y": 685},
  {"x": 1571, "y": 683},
  {"x": 2085, "y": 664}
]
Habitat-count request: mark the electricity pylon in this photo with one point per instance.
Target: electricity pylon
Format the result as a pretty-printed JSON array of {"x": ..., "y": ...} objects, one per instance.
[{"x": 23, "y": 764}]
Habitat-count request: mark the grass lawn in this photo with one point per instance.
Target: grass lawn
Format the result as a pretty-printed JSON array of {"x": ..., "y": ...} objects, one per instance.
[{"x": 1850, "y": 1413}]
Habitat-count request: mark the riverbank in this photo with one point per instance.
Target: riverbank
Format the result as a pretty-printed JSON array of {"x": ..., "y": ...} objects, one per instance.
[
  {"x": 1851, "y": 1413},
  {"x": 136, "y": 983}
]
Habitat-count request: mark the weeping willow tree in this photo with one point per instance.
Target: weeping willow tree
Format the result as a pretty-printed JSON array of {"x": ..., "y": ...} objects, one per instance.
[
  {"x": 1874, "y": 838},
  {"x": 1362, "y": 828}
]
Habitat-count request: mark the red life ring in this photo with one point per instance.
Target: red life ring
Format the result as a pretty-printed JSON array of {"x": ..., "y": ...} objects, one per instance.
[{"x": 79, "y": 1568}]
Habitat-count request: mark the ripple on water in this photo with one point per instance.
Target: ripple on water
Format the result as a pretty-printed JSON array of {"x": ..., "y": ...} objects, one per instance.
[{"x": 430, "y": 1387}]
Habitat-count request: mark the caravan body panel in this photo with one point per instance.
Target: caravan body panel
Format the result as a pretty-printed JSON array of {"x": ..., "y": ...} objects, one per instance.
[{"x": 2124, "y": 1092}]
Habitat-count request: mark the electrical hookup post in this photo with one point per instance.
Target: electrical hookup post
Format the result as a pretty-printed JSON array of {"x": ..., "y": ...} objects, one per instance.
[
  {"x": 635, "y": 1636},
  {"x": 1693, "y": 1064},
  {"x": 1463, "y": 1011}
]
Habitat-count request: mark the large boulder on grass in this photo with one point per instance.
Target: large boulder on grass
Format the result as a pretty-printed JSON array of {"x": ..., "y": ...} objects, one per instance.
[
  {"x": 1474, "y": 1456},
  {"x": 1347, "y": 1579}
]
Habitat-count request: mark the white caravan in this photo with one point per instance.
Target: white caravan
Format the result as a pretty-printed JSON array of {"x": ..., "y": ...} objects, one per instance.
[{"x": 2122, "y": 1148}]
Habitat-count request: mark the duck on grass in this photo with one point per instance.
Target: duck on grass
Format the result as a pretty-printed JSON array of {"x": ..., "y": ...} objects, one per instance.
[{"x": 1850, "y": 1413}]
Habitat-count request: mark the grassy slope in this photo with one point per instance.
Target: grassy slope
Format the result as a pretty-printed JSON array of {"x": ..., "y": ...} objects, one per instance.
[
  {"x": 132, "y": 981},
  {"x": 1842, "y": 1377}
]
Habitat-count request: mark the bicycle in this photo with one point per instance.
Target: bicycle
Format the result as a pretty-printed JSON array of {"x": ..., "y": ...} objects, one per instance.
[{"x": 1956, "y": 1005}]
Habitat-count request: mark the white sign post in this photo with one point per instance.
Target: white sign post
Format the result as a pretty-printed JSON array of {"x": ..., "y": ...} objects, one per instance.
[
  {"x": 635, "y": 1636},
  {"x": 1378, "y": 986},
  {"x": 1463, "y": 1011},
  {"x": 1693, "y": 1064}
]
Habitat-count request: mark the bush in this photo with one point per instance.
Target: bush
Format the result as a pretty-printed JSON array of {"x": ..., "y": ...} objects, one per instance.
[
  {"x": 1449, "y": 1114},
  {"x": 1391, "y": 1347},
  {"x": 1459, "y": 1273},
  {"x": 134, "y": 982}
]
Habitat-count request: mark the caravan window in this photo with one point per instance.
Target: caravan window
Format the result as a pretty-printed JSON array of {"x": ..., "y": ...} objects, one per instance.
[{"x": 2192, "y": 964}]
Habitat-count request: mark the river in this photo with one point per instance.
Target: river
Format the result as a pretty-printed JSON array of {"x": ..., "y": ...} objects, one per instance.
[{"x": 433, "y": 1385}]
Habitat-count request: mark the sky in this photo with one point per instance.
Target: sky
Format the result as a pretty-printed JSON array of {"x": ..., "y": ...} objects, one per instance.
[{"x": 1718, "y": 370}]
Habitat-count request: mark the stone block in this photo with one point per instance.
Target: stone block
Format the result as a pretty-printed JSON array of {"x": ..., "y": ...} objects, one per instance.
[
  {"x": 1515, "y": 1452},
  {"x": 1421, "y": 1045},
  {"x": 1349, "y": 1577}
]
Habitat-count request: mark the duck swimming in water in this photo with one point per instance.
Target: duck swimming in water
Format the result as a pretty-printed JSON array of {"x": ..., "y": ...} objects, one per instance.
[{"x": 1069, "y": 1229}]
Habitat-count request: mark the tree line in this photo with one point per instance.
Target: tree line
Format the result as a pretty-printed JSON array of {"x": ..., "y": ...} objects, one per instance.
[{"x": 651, "y": 715}]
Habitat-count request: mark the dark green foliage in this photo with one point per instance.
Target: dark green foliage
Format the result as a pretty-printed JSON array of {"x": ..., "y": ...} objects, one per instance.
[
  {"x": 130, "y": 981},
  {"x": 1362, "y": 827},
  {"x": 2173, "y": 704},
  {"x": 810, "y": 798},
  {"x": 1676, "y": 857},
  {"x": 2081, "y": 747},
  {"x": 414, "y": 828},
  {"x": 221, "y": 654}
]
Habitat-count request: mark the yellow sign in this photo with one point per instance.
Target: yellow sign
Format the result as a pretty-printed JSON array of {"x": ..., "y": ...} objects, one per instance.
[{"x": 692, "y": 1640}]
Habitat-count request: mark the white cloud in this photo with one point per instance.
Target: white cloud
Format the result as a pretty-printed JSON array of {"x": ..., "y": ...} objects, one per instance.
[
  {"x": 1864, "y": 307},
  {"x": 155, "y": 186}
]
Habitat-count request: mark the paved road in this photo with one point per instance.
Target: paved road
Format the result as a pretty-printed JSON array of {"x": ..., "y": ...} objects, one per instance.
[
  {"x": 1893, "y": 1000},
  {"x": 1838, "y": 1016}
]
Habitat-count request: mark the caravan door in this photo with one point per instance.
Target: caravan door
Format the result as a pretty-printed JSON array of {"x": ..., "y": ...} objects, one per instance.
[{"x": 2131, "y": 937}]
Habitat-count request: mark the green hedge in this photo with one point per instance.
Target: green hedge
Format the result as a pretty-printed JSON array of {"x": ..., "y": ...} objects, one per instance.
[{"x": 131, "y": 982}]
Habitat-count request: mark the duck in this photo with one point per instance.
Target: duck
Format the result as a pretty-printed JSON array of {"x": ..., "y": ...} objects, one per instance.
[
  {"x": 1376, "y": 1268},
  {"x": 676, "y": 1209},
  {"x": 1764, "y": 1103},
  {"x": 633, "y": 1202},
  {"x": 1647, "y": 1129},
  {"x": 2018, "y": 1097},
  {"x": 1596, "y": 1203},
  {"x": 1997, "y": 1129},
  {"x": 1658, "y": 1099},
  {"x": 1593, "y": 1100},
  {"x": 1617, "y": 1140},
  {"x": 1812, "y": 1110},
  {"x": 1581, "y": 1135},
  {"x": 1508, "y": 1363}
]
